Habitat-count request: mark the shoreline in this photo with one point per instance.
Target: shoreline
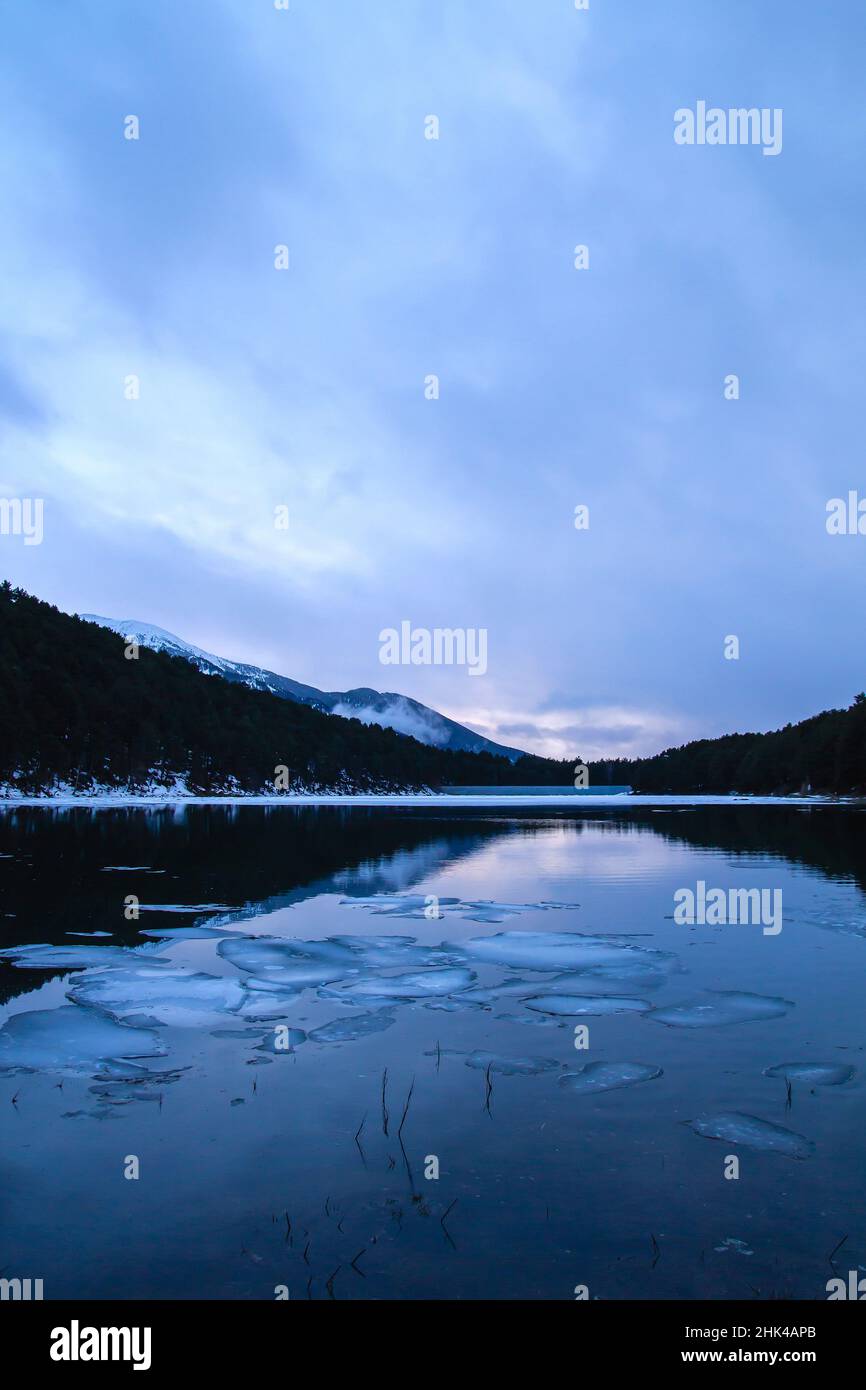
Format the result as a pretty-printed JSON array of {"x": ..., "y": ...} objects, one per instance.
[{"x": 107, "y": 800}]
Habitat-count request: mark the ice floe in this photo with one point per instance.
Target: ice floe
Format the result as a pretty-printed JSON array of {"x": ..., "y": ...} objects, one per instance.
[
  {"x": 813, "y": 1073},
  {"x": 348, "y": 1029},
  {"x": 69, "y": 1040},
  {"x": 416, "y": 905},
  {"x": 44, "y": 957},
  {"x": 748, "y": 1131},
  {"x": 185, "y": 933},
  {"x": 607, "y": 1076},
  {"x": 294, "y": 963},
  {"x": 496, "y": 1061},
  {"x": 415, "y": 985},
  {"x": 595, "y": 1005},
  {"x": 180, "y": 998},
  {"x": 721, "y": 1007},
  {"x": 556, "y": 951}
]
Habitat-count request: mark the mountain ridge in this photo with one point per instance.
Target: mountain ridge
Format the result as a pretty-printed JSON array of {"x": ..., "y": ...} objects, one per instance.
[{"x": 386, "y": 708}]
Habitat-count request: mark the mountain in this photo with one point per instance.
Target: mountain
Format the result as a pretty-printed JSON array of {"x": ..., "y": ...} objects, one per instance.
[
  {"x": 385, "y": 708},
  {"x": 80, "y": 711}
]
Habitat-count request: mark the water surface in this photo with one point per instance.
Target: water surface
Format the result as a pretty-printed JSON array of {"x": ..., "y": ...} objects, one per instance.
[{"x": 316, "y": 1007}]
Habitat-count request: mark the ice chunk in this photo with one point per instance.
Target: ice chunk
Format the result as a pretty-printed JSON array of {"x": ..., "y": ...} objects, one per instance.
[
  {"x": 348, "y": 1029},
  {"x": 384, "y": 952},
  {"x": 184, "y": 907},
  {"x": 397, "y": 904},
  {"x": 69, "y": 1040},
  {"x": 418, "y": 985},
  {"x": 553, "y": 951},
  {"x": 299, "y": 963},
  {"x": 813, "y": 1073},
  {"x": 511, "y": 1066},
  {"x": 169, "y": 934},
  {"x": 721, "y": 1007},
  {"x": 264, "y": 1004},
  {"x": 646, "y": 970},
  {"x": 595, "y": 1005},
  {"x": 534, "y": 1021},
  {"x": 731, "y": 1243},
  {"x": 44, "y": 957},
  {"x": 748, "y": 1131},
  {"x": 488, "y": 994},
  {"x": 608, "y": 1076},
  {"x": 180, "y": 998}
]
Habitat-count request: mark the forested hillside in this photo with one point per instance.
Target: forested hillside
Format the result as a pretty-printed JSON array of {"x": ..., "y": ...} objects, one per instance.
[
  {"x": 826, "y": 753},
  {"x": 74, "y": 710}
]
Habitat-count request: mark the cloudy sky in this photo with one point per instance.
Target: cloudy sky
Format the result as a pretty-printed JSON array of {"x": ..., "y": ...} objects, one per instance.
[{"x": 305, "y": 388}]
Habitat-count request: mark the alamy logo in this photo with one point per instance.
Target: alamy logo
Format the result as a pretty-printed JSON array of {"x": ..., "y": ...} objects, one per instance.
[
  {"x": 76, "y": 1343},
  {"x": 846, "y": 517},
  {"x": 736, "y": 126},
  {"x": 854, "y": 1289},
  {"x": 23, "y": 1289},
  {"x": 718, "y": 907},
  {"x": 22, "y": 516},
  {"x": 441, "y": 646}
]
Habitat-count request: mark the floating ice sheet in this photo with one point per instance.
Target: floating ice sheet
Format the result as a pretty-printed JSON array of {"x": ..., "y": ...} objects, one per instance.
[
  {"x": 295, "y": 963},
  {"x": 384, "y": 952},
  {"x": 349, "y": 1029},
  {"x": 185, "y": 933},
  {"x": 45, "y": 957},
  {"x": 497, "y": 1062},
  {"x": 180, "y": 998},
  {"x": 423, "y": 906},
  {"x": 489, "y": 994},
  {"x": 69, "y": 1040},
  {"x": 530, "y": 1020},
  {"x": 415, "y": 985},
  {"x": 556, "y": 951},
  {"x": 607, "y": 1076},
  {"x": 748, "y": 1131},
  {"x": 184, "y": 907},
  {"x": 264, "y": 1004},
  {"x": 813, "y": 1073},
  {"x": 721, "y": 1007},
  {"x": 594, "y": 1005}
]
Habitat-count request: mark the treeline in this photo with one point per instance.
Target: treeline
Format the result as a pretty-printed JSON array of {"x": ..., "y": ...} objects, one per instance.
[
  {"x": 826, "y": 753},
  {"x": 74, "y": 710}
]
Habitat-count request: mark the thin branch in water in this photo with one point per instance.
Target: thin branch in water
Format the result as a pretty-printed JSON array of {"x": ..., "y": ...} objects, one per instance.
[
  {"x": 406, "y": 1108},
  {"x": 354, "y": 1263},
  {"x": 358, "y": 1139},
  {"x": 329, "y": 1283},
  {"x": 444, "y": 1227},
  {"x": 384, "y": 1106},
  {"x": 836, "y": 1248}
]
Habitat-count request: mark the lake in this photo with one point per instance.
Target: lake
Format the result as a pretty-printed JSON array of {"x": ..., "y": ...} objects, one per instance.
[{"x": 432, "y": 1052}]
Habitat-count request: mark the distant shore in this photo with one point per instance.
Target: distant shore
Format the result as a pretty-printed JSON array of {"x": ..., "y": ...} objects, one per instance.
[{"x": 425, "y": 799}]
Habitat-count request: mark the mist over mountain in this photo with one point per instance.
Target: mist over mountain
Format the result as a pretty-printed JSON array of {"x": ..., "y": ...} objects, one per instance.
[{"x": 386, "y": 708}]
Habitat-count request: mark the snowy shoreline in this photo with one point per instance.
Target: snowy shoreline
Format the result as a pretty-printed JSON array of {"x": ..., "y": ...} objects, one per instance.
[{"x": 170, "y": 797}]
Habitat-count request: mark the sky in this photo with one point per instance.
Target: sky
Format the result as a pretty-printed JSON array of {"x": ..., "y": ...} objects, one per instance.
[{"x": 305, "y": 388}]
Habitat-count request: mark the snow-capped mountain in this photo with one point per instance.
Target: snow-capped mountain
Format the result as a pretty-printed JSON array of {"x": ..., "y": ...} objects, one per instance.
[{"x": 390, "y": 710}]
